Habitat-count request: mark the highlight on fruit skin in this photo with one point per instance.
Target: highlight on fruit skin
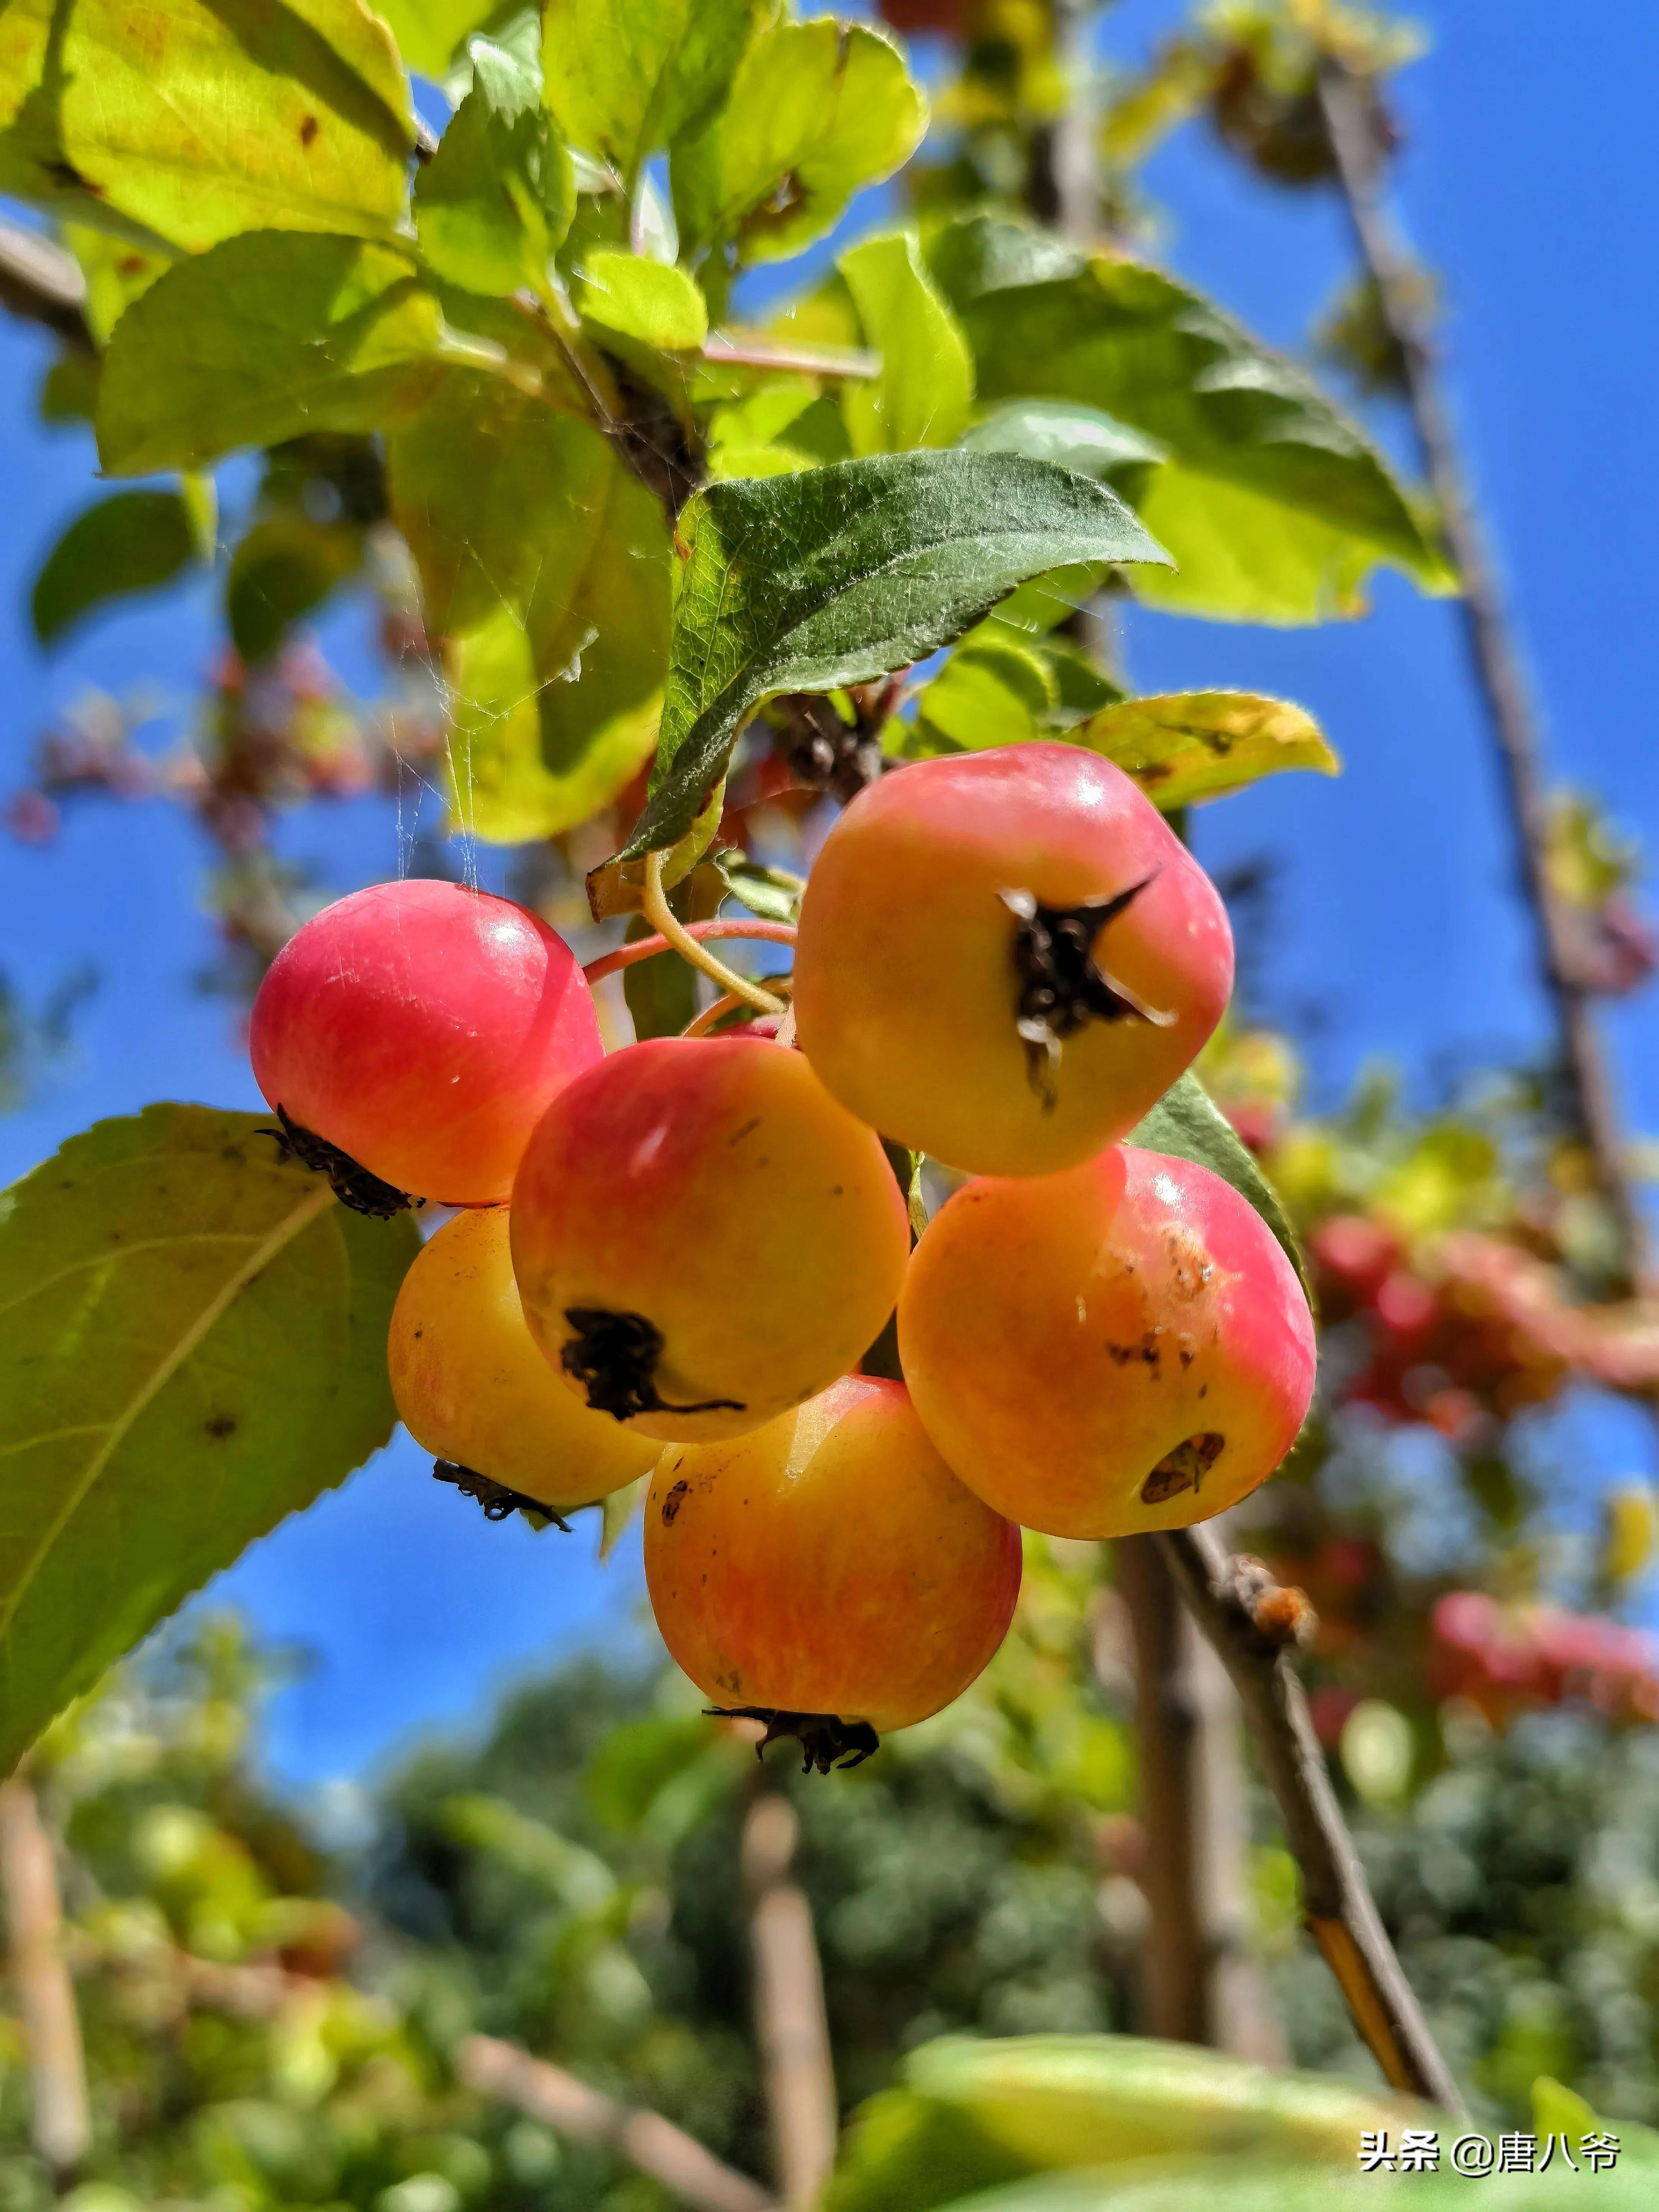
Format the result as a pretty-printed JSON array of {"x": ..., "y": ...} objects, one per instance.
[
  {"x": 1121, "y": 1348},
  {"x": 1006, "y": 959},
  {"x": 702, "y": 1237},
  {"x": 421, "y": 1029},
  {"x": 473, "y": 1389},
  {"x": 827, "y": 1569}
]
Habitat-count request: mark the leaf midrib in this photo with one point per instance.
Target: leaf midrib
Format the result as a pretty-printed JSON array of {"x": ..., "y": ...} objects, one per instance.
[{"x": 314, "y": 1204}]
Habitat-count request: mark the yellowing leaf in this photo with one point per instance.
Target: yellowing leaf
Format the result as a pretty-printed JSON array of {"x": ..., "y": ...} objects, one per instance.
[
  {"x": 428, "y": 32},
  {"x": 816, "y": 109},
  {"x": 649, "y": 301},
  {"x": 926, "y": 387},
  {"x": 1186, "y": 747},
  {"x": 625, "y": 77}
]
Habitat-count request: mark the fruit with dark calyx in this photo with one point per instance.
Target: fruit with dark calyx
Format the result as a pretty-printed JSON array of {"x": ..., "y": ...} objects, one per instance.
[
  {"x": 1119, "y": 1349},
  {"x": 1006, "y": 958},
  {"x": 472, "y": 1388},
  {"x": 420, "y": 1030},
  {"x": 828, "y": 1574},
  {"x": 702, "y": 1237}
]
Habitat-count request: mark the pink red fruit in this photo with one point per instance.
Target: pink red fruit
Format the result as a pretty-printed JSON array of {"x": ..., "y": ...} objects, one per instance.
[
  {"x": 1006, "y": 959},
  {"x": 421, "y": 1029},
  {"x": 1121, "y": 1348},
  {"x": 702, "y": 1237},
  {"x": 827, "y": 1571}
]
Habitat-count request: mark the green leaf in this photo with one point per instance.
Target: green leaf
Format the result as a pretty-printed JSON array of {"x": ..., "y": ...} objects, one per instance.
[
  {"x": 816, "y": 110},
  {"x": 926, "y": 387},
  {"x": 993, "y": 690},
  {"x": 1184, "y": 746},
  {"x": 200, "y": 119},
  {"x": 625, "y": 77},
  {"x": 1274, "y": 506},
  {"x": 262, "y": 339},
  {"x": 117, "y": 272},
  {"x": 131, "y": 542},
  {"x": 429, "y": 32},
  {"x": 1072, "y": 436},
  {"x": 1188, "y": 1124},
  {"x": 194, "y": 1348},
  {"x": 546, "y": 563},
  {"x": 772, "y": 893},
  {"x": 660, "y": 305},
  {"x": 804, "y": 583},
  {"x": 282, "y": 569},
  {"x": 496, "y": 198}
]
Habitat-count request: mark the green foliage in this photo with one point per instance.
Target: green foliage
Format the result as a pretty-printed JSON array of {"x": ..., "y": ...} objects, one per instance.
[
  {"x": 131, "y": 542},
  {"x": 267, "y": 336},
  {"x": 926, "y": 387},
  {"x": 497, "y": 197},
  {"x": 430, "y": 33},
  {"x": 1273, "y": 505},
  {"x": 1186, "y": 747},
  {"x": 1187, "y": 1124},
  {"x": 206, "y": 118},
  {"x": 282, "y": 569},
  {"x": 816, "y": 109},
  {"x": 806, "y": 582},
  {"x": 627, "y": 77},
  {"x": 194, "y": 1348},
  {"x": 649, "y": 301},
  {"x": 1072, "y": 436}
]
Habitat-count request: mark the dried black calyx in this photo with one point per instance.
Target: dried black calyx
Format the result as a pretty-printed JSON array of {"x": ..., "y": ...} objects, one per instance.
[
  {"x": 1061, "y": 984},
  {"x": 1184, "y": 1468},
  {"x": 352, "y": 1185},
  {"x": 614, "y": 1356},
  {"x": 827, "y": 1740},
  {"x": 496, "y": 1499}
]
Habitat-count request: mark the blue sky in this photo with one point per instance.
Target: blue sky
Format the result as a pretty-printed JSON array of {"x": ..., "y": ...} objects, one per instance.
[{"x": 1529, "y": 180}]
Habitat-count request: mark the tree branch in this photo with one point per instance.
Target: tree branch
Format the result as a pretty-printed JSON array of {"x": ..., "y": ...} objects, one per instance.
[
  {"x": 42, "y": 283},
  {"x": 790, "y": 2025},
  {"x": 1359, "y": 155},
  {"x": 645, "y": 2140},
  {"x": 1251, "y": 1621},
  {"x": 61, "y": 2130}
]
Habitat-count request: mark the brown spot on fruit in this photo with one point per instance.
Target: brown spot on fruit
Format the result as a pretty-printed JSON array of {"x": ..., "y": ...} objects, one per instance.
[
  {"x": 671, "y": 1504},
  {"x": 1184, "y": 1468}
]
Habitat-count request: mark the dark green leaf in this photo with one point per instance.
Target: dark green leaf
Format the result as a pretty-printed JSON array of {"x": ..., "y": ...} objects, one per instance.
[
  {"x": 200, "y": 119},
  {"x": 837, "y": 575},
  {"x": 1073, "y": 437},
  {"x": 194, "y": 1348},
  {"x": 264, "y": 339},
  {"x": 626, "y": 77},
  {"x": 280, "y": 570},
  {"x": 816, "y": 110},
  {"x": 661, "y": 994},
  {"x": 1187, "y": 1124},
  {"x": 926, "y": 387},
  {"x": 1271, "y": 503},
  {"x": 1187, "y": 746},
  {"x": 133, "y": 541},
  {"x": 496, "y": 198}
]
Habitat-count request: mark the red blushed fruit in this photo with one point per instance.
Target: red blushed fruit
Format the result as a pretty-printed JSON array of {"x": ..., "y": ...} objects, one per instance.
[
  {"x": 1121, "y": 1348},
  {"x": 703, "y": 1238},
  {"x": 423, "y": 1029},
  {"x": 828, "y": 1573},
  {"x": 1006, "y": 959}
]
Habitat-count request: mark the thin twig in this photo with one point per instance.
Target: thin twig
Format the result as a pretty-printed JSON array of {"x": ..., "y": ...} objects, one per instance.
[
  {"x": 1493, "y": 645},
  {"x": 1248, "y": 1620},
  {"x": 60, "y": 2124},
  {"x": 654, "y": 904},
  {"x": 647, "y": 948},
  {"x": 791, "y": 2026},
  {"x": 645, "y": 2140},
  {"x": 745, "y": 351},
  {"x": 43, "y": 283}
]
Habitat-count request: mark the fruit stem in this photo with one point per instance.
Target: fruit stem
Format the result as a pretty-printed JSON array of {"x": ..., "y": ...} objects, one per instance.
[
  {"x": 647, "y": 948},
  {"x": 700, "y": 1025},
  {"x": 658, "y": 910}
]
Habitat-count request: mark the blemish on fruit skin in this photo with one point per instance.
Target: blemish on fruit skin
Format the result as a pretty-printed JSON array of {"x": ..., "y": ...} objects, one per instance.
[
  {"x": 675, "y": 1499},
  {"x": 747, "y": 1130}
]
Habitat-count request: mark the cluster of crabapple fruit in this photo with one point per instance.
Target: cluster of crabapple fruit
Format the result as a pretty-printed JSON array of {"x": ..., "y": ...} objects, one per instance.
[{"x": 671, "y": 1259}]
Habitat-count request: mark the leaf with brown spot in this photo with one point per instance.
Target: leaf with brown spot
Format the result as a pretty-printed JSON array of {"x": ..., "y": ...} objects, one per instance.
[{"x": 1184, "y": 747}]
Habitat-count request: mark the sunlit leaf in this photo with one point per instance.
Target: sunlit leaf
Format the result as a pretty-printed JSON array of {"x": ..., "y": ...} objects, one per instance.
[
  {"x": 626, "y": 77},
  {"x": 1185, "y": 746},
  {"x": 926, "y": 387},
  {"x": 429, "y": 32},
  {"x": 1072, "y": 436},
  {"x": 194, "y": 1348},
  {"x": 816, "y": 110},
  {"x": 641, "y": 299},
  {"x": 498, "y": 197}
]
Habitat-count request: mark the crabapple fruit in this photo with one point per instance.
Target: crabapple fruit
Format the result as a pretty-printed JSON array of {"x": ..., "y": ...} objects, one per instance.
[
  {"x": 1006, "y": 958},
  {"x": 1121, "y": 1348},
  {"x": 421, "y": 1029},
  {"x": 472, "y": 1388},
  {"x": 828, "y": 1573},
  {"x": 702, "y": 1237}
]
